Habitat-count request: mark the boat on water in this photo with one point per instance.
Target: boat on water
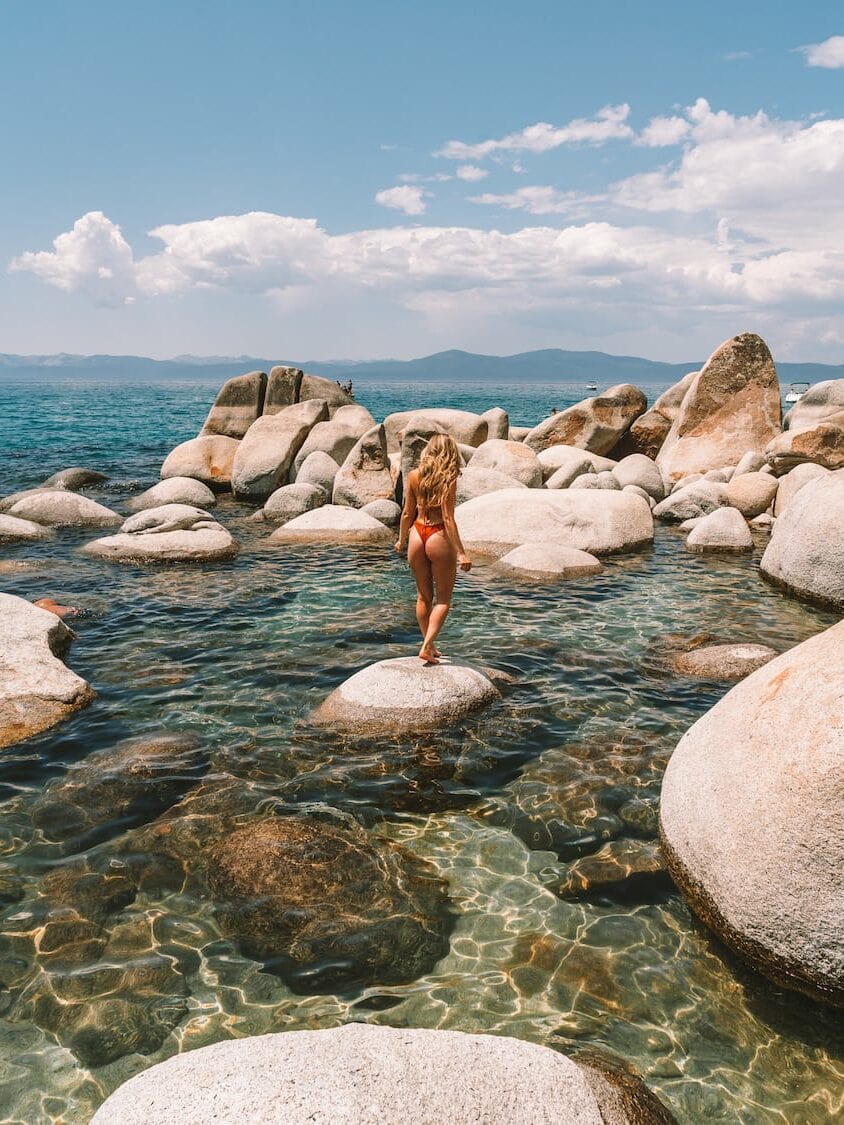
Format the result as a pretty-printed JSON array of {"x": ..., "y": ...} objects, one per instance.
[
  {"x": 796, "y": 391},
  {"x": 591, "y": 386}
]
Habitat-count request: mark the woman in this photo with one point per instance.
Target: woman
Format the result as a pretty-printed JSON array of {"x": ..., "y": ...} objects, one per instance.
[{"x": 429, "y": 531}]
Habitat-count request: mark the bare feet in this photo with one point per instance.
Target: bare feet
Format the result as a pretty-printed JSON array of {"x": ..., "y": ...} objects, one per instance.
[{"x": 429, "y": 655}]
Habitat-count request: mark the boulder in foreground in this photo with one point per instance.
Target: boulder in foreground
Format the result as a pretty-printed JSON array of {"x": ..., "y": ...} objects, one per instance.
[
  {"x": 722, "y": 530},
  {"x": 751, "y": 817},
  {"x": 171, "y": 533},
  {"x": 368, "y": 1075},
  {"x": 405, "y": 696},
  {"x": 806, "y": 551},
  {"x": 37, "y": 690},
  {"x": 333, "y": 524}
]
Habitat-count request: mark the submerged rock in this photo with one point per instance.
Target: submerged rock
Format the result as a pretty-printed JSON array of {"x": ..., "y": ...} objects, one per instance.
[
  {"x": 174, "y": 490},
  {"x": 36, "y": 689},
  {"x": 74, "y": 478},
  {"x": 60, "y": 508},
  {"x": 169, "y": 534},
  {"x": 325, "y": 907},
  {"x": 596, "y": 424},
  {"x": 548, "y": 562},
  {"x": 361, "y": 1074},
  {"x": 333, "y": 524},
  {"x": 723, "y": 662},
  {"x": 621, "y": 868},
  {"x": 208, "y": 459},
  {"x": 750, "y": 817},
  {"x": 805, "y": 554},
  {"x": 405, "y": 695},
  {"x": 16, "y": 530},
  {"x": 238, "y": 403}
]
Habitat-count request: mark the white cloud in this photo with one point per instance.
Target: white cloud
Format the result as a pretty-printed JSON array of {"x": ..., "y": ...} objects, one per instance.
[
  {"x": 536, "y": 200},
  {"x": 471, "y": 173},
  {"x": 829, "y": 54},
  {"x": 662, "y": 131},
  {"x": 610, "y": 123},
  {"x": 410, "y": 200}
]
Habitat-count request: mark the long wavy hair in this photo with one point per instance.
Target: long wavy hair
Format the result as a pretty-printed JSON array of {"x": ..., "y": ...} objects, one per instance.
[{"x": 439, "y": 468}]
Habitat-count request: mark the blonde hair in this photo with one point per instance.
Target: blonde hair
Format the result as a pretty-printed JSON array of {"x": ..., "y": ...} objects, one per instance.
[{"x": 439, "y": 468}]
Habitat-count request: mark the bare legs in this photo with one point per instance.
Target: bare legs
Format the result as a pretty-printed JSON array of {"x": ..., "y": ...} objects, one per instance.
[{"x": 434, "y": 566}]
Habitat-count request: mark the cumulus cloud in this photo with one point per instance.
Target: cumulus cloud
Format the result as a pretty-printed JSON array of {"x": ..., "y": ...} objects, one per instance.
[
  {"x": 662, "y": 131},
  {"x": 829, "y": 54},
  {"x": 610, "y": 123},
  {"x": 471, "y": 173},
  {"x": 410, "y": 200},
  {"x": 536, "y": 200}
]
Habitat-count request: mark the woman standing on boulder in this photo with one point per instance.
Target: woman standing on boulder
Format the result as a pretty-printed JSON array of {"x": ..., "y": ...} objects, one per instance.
[{"x": 429, "y": 532}]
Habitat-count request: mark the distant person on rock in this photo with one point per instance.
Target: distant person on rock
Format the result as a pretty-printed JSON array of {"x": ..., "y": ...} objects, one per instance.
[{"x": 429, "y": 532}]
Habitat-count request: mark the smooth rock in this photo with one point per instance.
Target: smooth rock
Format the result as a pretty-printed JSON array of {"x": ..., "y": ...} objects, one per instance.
[
  {"x": 292, "y": 500},
  {"x": 16, "y": 530},
  {"x": 752, "y": 493},
  {"x": 61, "y": 508},
  {"x": 174, "y": 490},
  {"x": 207, "y": 459},
  {"x": 333, "y": 524},
  {"x": 765, "y": 522},
  {"x": 37, "y": 690},
  {"x": 621, "y": 868},
  {"x": 364, "y": 1074},
  {"x": 723, "y": 662},
  {"x": 74, "y": 478},
  {"x": 518, "y": 433},
  {"x": 387, "y": 512},
  {"x": 750, "y": 816},
  {"x": 365, "y": 474},
  {"x": 497, "y": 423},
  {"x": 722, "y": 530},
  {"x": 336, "y": 437},
  {"x": 404, "y": 696},
  {"x": 596, "y": 423},
  {"x": 684, "y": 482},
  {"x": 793, "y": 481},
  {"x": 687, "y": 525},
  {"x": 698, "y": 499},
  {"x": 319, "y": 469},
  {"x": 600, "y": 524},
  {"x": 805, "y": 554},
  {"x": 720, "y": 476},
  {"x": 750, "y": 462},
  {"x": 566, "y": 475},
  {"x": 822, "y": 402},
  {"x": 413, "y": 441},
  {"x": 822, "y": 445},
  {"x": 731, "y": 406},
  {"x": 642, "y": 471},
  {"x": 318, "y": 389},
  {"x": 648, "y": 432},
  {"x": 546, "y": 562},
  {"x": 465, "y": 427},
  {"x": 584, "y": 480},
  {"x": 283, "y": 387},
  {"x": 474, "y": 482},
  {"x": 8, "y": 502},
  {"x": 637, "y": 491},
  {"x": 512, "y": 458},
  {"x": 238, "y": 403},
  {"x": 171, "y": 533},
  {"x": 265, "y": 455},
  {"x": 607, "y": 480},
  {"x": 556, "y": 457}
]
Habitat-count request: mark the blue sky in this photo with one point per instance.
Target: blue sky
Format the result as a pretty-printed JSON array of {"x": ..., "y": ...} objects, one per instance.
[{"x": 325, "y": 180}]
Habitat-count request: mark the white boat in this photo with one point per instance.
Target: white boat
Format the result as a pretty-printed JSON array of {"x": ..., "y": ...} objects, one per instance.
[
  {"x": 796, "y": 392},
  {"x": 591, "y": 386}
]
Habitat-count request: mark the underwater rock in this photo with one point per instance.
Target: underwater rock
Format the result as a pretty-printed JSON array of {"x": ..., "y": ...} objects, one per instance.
[
  {"x": 59, "y": 508},
  {"x": 174, "y": 490},
  {"x": 365, "y": 474},
  {"x": 600, "y": 523},
  {"x": 805, "y": 554},
  {"x": 621, "y": 868},
  {"x": 513, "y": 458},
  {"x": 325, "y": 907},
  {"x": 722, "y": 662},
  {"x": 722, "y": 530},
  {"x": 168, "y": 534},
  {"x": 16, "y": 530},
  {"x": 546, "y": 562},
  {"x": 37, "y": 690},
  {"x": 750, "y": 817},
  {"x": 265, "y": 456},
  {"x": 596, "y": 424},
  {"x": 405, "y": 695},
  {"x": 208, "y": 459},
  {"x": 54, "y": 607},
  {"x": 333, "y": 524},
  {"x": 362, "y": 1074},
  {"x": 74, "y": 478},
  {"x": 238, "y": 403}
]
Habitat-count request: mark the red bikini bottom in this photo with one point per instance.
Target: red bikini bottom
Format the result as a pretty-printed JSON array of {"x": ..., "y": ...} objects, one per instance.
[{"x": 426, "y": 530}]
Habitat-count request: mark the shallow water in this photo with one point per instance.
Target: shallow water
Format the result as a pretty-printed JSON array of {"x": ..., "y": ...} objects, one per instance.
[{"x": 237, "y": 654}]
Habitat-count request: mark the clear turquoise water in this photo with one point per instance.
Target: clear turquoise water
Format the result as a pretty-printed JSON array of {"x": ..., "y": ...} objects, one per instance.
[{"x": 237, "y": 654}]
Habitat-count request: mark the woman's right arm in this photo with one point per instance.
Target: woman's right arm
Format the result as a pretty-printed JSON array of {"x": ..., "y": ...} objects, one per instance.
[{"x": 408, "y": 512}]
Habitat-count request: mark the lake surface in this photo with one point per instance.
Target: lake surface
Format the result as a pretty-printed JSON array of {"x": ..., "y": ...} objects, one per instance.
[{"x": 236, "y": 655}]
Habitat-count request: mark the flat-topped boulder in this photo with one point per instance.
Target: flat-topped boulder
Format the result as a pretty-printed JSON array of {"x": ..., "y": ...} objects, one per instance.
[
  {"x": 333, "y": 523},
  {"x": 238, "y": 403},
  {"x": 465, "y": 427},
  {"x": 805, "y": 554},
  {"x": 208, "y": 459},
  {"x": 74, "y": 478},
  {"x": 596, "y": 424},
  {"x": 37, "y": 690},
  {"x": 404, "y": 696},
  {"x": 363, "y": 1074},
  {"x": 750, "y": 816},
  {"x": 722, "y": 530},
  {"x": 15, "y": 530},
  {"x": 723, "y": 662},
  {"x": 513, "y": 458},
  {"x": 172, "y": 533},
  {"x": 60, "y": 508},
  {"x": 600, "y": 522},
  {"x": 174, "y": 490},
  {"x": 731, "y": 406},
  {"x": 365, "y": 473},
  {"x": 548, "y": 562},
  {"x": 265, "y": 456}
]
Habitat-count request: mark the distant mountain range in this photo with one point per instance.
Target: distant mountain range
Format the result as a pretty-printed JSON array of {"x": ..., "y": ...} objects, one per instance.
[{"x": 547, "y": 366}]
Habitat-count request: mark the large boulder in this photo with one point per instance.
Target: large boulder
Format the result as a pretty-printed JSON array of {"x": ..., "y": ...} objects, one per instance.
[
  {"x": 364, "y": 1074},
  {"x": 732, "y": 405},
  {"x": 751, "y": 493},
  {"x": 822, "y": 445},
  {"x": 319, "y": 469},
  {"x": 37, "y": 690},
  {"x": 207, "y": 459},
  {"x": 465, "y": 427},
  {"x": 793, "y": 481},
  {"x": 336, "y": 437},
  {"x": 74, "y": 478},
  {"x": 365, "y": 474},
  {"x": 497, "y": 423},
  {"x": 169, "y": 534},
  {"x": 805, "y": 554},
  {"x": 292, "y": 500},
  {"x": 265, "y": 456},
  {"x": 174, "y": 490},
  {"x": 414, "y": 438},
  {"x": 577, "y": 461},
  {"x": 722, "y": 530},
  {"x": 239, "y": 402},
  {"x": 15, "y": 530},
  {"x": 751, "y": 817},
  {"x": 547, "y": 562},
  {"x": 474, "y": 482},
  {"x": 641, "y": 471},
  {"x": 405, "y": 695},
  {"x": 598, "y": 522},
  {"x": 512, "y": 458},
  {"x": 387, "y": 512},
  {"x": 332, "y": 524},
  {"x": 316, "y": 388},
  {"x": 324, "y": 907},
  {"x": 596, "y": 424},
  {"x": 823, "y": 402},
  {"x": 60, "y": 508},
  {"x": 282, "y": 388},
  {"x": 692, "y": 501},
  {"x": 649, "y": 431}
]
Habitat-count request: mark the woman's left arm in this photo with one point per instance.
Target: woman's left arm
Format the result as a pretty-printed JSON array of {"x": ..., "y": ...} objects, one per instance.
[{"x": 451, "y": 529}]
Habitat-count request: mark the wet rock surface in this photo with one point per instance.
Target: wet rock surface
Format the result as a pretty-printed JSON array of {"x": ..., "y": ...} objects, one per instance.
[{"x": 171, "y": 533}]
